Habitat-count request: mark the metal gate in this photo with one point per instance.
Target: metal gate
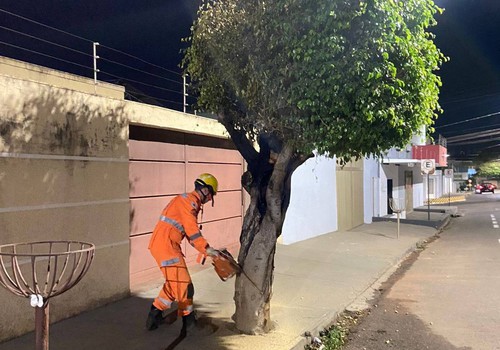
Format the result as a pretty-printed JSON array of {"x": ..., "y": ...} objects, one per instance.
[
  {"x": 350, "y": 196},
  {"x": 164, "y": 164}
]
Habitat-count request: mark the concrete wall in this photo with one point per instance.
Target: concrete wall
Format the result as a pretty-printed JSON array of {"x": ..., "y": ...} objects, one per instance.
[
  {"x": 64, "y": 176},
  {"x": 313, "y": 202}
]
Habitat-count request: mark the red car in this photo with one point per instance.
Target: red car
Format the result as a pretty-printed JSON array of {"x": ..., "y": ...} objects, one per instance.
[{"x": 485, "y": 187}]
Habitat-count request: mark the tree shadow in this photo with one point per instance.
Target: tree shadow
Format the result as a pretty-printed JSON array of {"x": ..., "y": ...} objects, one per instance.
[
  {"x": 121, "y": 325},
  {"x": 63, "y": 177}
]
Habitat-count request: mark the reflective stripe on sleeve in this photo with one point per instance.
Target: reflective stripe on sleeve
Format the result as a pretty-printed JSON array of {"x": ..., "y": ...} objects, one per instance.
[
  {"x": 169, "y": 262},
  {"x": 195, "y": 236},
  {"x": 173, "y": 223}
]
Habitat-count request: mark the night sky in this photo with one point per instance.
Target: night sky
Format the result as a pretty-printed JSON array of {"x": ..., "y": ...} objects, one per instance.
[{"x": 468, "y": 32}]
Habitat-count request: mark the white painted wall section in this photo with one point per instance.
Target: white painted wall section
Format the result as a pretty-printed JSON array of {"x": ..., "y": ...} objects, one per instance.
[
  {"x": 371, "y": 193},
  {"x": 313, "y": 204}
]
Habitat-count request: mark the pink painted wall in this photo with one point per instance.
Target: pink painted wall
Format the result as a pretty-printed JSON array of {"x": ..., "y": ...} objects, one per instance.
[{"x": 436, "y": 152}]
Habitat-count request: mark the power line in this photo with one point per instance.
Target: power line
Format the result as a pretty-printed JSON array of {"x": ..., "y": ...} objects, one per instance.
[
  {"x": 468, "y": 120},
  {"x": 44, "y": 25},
  {"x": 103, "y": 59},
  {"x": 131, "y": 95},
  {"x": 468, "y": 98},
  {"x": 46, "y": 41},
  {"x": 140, "y": 59},
  {"x": 138, "y": 82},
  {"x": 479, "y": 141},
  {"x": 139, "y": 70},
  {"x": 474, "y": 135},
  {"x": 462, "y": 132}
]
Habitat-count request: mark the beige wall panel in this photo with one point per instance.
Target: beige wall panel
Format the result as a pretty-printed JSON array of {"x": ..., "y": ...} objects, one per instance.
[
  {"x": 144, "y": 213},
  {"x": 212, "y": 155},
  {"x": 344, "y": 200},
  {"x": 41, "y": 119},
  {"x": 150, "y": 150},
  {"x": 99, "y": 224},
  {"x": 219, "y": 234},
  {"x": 228, "y": 175},
  {"x": 31, "y": 182},
  {"x": 156, "y": 178},
  {"x": 350, "y": 196},
  {"x": 227, "y": 205},
  {"x": 140, "y": 257},
  {"x": 357, "y": 194}
]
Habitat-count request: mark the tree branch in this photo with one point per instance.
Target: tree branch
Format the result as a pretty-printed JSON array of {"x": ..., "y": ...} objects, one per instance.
[{"x": 240, "y": 139}]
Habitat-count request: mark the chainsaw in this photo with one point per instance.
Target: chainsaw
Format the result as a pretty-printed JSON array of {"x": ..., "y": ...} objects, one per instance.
[{"x": 226, "y": 266}]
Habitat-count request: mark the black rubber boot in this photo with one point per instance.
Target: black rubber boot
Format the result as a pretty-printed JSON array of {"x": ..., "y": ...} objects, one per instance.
[
  {"x": 155, "y": 317},
  {"x": 188, "y": 324},
  {"x": 193, "y": 327}
]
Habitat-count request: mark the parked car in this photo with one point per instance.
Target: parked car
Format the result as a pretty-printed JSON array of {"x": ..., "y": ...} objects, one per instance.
[{"x": 485, "y": 187}]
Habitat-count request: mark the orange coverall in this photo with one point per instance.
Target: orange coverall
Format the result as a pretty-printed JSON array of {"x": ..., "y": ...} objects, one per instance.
[{"x": 178, "y": 220}]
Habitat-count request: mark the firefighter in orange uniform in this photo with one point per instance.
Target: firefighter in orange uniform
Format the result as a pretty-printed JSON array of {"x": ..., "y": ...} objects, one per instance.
[{"x": 178, "y": 221}]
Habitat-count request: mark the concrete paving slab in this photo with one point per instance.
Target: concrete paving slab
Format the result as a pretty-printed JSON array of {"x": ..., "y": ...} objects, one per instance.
[{"x": 314, "y": 281}]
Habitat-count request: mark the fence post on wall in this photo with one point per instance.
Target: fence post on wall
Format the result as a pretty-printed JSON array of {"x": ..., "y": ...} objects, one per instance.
[
  {"x": 184, "y": 93},
  {"x": 94, "y": 45}
]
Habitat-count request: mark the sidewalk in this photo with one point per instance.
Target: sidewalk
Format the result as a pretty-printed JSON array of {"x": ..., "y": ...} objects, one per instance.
[{"x": 314, "y": 281}]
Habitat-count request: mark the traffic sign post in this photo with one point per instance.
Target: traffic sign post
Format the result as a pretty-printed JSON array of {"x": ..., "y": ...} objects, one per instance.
[
  {"x": 448, "y": 173},
  {"x": 428, "y": 166}
]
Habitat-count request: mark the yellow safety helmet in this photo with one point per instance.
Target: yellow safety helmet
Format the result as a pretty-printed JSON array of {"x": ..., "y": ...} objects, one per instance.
[{"x": 208, "y": 180}]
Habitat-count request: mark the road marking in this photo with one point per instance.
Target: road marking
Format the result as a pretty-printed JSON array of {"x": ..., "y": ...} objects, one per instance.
[{"x": 494, "y": 221}]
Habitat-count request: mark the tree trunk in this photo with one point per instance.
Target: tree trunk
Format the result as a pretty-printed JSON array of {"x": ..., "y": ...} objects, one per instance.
[{"x": 261, "y": 229}]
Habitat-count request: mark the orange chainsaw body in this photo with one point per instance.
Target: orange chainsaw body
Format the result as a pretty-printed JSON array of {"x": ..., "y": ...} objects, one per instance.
[{"x": 225, "y": 266}]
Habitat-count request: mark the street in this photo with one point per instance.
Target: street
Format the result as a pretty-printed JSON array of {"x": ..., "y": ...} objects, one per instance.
[{"x": 448, "y": 295}]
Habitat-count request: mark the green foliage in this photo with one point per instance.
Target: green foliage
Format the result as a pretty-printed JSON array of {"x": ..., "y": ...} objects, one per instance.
[
  {"x": 334, "y": 339},
  {"x": 490, "y": 170},
  {"x": 350, "y": 78}
]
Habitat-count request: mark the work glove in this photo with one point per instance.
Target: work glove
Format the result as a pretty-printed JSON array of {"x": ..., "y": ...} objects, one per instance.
[{"x": 213, "y": 253}]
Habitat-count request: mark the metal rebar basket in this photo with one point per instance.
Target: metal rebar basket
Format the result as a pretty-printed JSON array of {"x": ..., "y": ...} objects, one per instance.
[{"x": 40, "y": 271}]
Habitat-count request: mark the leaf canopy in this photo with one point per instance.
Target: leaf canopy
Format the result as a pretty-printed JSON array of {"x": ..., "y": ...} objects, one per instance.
[
  {"x": 343, "y": 77},
  {"x": 490, "y": 169}
]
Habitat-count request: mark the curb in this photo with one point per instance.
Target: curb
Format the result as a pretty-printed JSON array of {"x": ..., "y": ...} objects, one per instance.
[{"x": 360, "y": 302}]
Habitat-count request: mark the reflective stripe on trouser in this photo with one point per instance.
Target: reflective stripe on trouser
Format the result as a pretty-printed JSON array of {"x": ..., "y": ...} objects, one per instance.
[{"x": 177, "y": 287}]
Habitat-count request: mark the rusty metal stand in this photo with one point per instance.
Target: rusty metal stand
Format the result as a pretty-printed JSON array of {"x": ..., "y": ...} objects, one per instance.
[
  {"x": 40, "y": 271},
  {"x": 42, "y": 327}
]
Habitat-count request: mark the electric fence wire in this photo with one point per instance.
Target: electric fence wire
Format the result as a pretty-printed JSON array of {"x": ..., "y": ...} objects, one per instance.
[{"x": 112, "y": 63}]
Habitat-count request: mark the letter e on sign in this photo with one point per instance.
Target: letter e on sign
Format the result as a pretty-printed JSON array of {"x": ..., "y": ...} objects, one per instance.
[{"x": 428, "y": 166}]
